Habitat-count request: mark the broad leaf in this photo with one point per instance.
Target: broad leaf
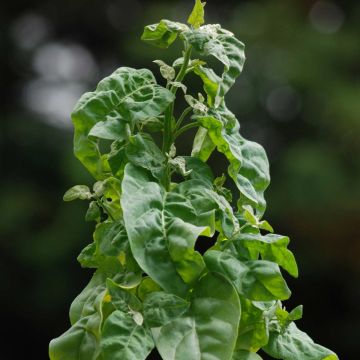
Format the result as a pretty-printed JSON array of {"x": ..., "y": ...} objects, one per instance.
[
  {"x": 163, "y": 227},
  {"x": 142, "y": 151},
  {"x": 272, "y": 247},
  {"x": 128, "y": 95},
  {"x": 256, "y": 280},
  {"x": 77, "y": 343},
  {"x": 208, "y": 330},
  {"x": 293, "y": 344},
  {"x": 160, "y": 308},
  {"x": 122, "y": 338}
]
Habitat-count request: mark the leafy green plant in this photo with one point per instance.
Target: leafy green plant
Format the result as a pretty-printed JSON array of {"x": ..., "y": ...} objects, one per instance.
[{"x": 151, "y": 288}]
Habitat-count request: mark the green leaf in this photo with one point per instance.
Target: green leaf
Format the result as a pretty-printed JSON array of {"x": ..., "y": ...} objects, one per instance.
[
  {"x": 203, "y": 146},
  {"x": 167, "y": 71},
  {"x": 294, "y": 344},
  {"x": 249, "y": 166},
  {"x": 254, "y": 324},
  {"x": 199, "y": 170},
  {"x": 83, "y": 304},
  {"x": 111, "y": 129},
  {"x": 196, "y": 18},
  {"x": 77, "y": 343},
  {"x": 122, "y": 299},
  {"x": 272, "y": 247},
  {"x": 160, "y": 308},
  {"x": 128, "y": 95},
  {"x": 256, "y": 280},
  {"x": 245, "y": 355},
  {"x": 81, "y": 192},
  {"x": 122, "y": 338},
  {"x": 147, "y": 286},
  {"x": 212, "y": 40},
  {"x": 211, "y": 82},
  {"x": 208, "y": 330},
  {"x": 142, "y": 151},
  {"x": 81, "y": 341},
  {"x": 163, "y": 34},
  {"x": 93, "y": 213},
  {"x": 163, "y": 227}
]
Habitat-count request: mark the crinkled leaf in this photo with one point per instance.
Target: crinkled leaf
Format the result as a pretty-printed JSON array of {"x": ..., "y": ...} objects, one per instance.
[
  {"x": 160, "y": 308},
  {"x": 153, "y": 124},
  {"x": 127, "y": 95},
  {"x": 163, "y": 34},
  {"x": 147, "y": 286},
  {"x": 122, "y": 338},
  {"x": 272, "y": 247},
  {"x": 254, "y": 324},
  {"x": 167, "y": 71},
  {"x": 208, "y": 330},
  {"x": 249, "y": 166},
  {"x": 111, "y": 129},
  {"x": 215, "y": 41},
  {"x": 211, "y": 82},
  {"x": 163, "y": 227},
  {"x": 199, "y": 170},
  {"x": 81, "y": 192},
  {"x": 196, "y": 18},
  {"x": 294, "y": 344},
  {"x": 179, "y": 165},
  {"x": 142, "y": 151},
  {"x": 258, "y": 280},
  {"x": 122, "y": 299}
]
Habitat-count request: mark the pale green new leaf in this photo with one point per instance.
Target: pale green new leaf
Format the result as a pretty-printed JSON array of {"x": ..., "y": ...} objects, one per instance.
[
  {"x": 258, "y": 280},
  {"x": 163, "y": 227},
  {"x": 294, "y": 344},
  {"x": 160, "y": 308},
  {"x": 81, "y": 192},
  {"x": 122, "y": 338},
  {"x": 203, "y": 146},
  {"x": 196, "y": 18},
  {"x": 208, "y": 330},
  {"x": 271, "y": 247},
  {"x": 167, "y": 71}
]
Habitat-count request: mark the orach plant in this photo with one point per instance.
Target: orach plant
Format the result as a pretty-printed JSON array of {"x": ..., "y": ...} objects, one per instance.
[{"x": 151, "y": 288}]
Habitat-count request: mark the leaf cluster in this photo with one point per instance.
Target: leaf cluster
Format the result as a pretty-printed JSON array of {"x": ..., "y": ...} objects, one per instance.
[{"x": 150, "y": 287}]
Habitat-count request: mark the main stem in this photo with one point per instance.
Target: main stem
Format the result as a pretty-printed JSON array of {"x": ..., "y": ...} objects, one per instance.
[{"x": 168, "y": 138}]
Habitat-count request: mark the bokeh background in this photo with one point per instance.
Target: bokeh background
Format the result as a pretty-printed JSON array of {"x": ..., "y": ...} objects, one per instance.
[{"x": 299, "y": 96}]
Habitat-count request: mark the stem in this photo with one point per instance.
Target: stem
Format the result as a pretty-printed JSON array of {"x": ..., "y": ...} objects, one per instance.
[
  {"x": 185, "y": 128},
  {"x": 168, "y": 138},
  {"x": 183, "y": 116}
]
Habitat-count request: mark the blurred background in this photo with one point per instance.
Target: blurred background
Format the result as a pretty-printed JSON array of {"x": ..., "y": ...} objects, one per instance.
[{"x": 299, "y": 96}]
